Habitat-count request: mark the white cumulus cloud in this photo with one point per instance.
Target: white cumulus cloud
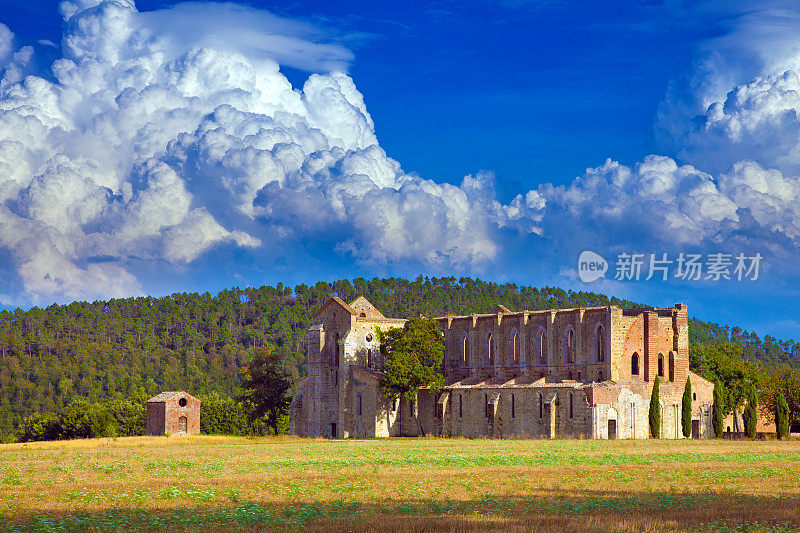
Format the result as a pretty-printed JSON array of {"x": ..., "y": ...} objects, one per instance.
[{"x": 161, "y": 135}]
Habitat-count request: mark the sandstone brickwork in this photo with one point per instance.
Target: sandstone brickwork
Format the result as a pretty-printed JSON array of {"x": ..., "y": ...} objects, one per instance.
[
  {"x": 173, "y": 413},
  {"x": 583, "y": 372}
]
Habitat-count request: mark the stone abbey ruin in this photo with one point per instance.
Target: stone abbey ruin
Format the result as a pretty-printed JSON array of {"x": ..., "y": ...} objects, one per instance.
[{"x": 583, "y": 372}]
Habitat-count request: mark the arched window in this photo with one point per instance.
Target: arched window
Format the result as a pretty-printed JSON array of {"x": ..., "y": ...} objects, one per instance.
[
  {"x": 369, "y": 358},
  {"x": 465, "y": 350},
  {"x": 515, "y": 347},
  {"x": 569, "y": 375},
  {"x": 569, "y": 346},
  {"x": 359, "y": 403},
  {"x": 600, "y": 347},
  {"x": 513, "y": 407},
  {"x": 541, "y": 405},
  {"x": 336, "y": 349},
  {"x": 600, "y": 376},
  {"x": 635, "y": 364},
  {"x": 570, "y": 405},
  {"x": 362, "y": 314},
  {"x": 671, "y": 366},
  {"x": 661, "y": 365},
  {"x": 490, "y": 348},
  {"x": 542, "y": 347},
  {"x": 460, "y": 406}
]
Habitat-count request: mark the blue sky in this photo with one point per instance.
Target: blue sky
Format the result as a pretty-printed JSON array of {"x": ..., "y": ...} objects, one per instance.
[
  {"x": 521, "y": 97},
  {"x": 536, "y": 91}
]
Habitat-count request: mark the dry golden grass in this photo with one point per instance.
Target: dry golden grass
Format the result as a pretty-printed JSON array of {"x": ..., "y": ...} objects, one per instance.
[{"x": 223, "y": 483}]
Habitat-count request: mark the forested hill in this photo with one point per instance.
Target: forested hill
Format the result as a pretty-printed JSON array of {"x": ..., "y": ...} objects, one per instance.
[
  {"x": 769, "y": 350},
  {"x": 198, "y": 342}
]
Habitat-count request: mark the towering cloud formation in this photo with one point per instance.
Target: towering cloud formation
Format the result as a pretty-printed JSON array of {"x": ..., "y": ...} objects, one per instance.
[
  {"x": 144, "y": 146},
  {"x": 149, "y": 146}
]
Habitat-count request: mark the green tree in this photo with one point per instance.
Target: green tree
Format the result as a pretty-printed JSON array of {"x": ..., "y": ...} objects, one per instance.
[
  {"x": 266, "y": 387},
  {"x": 412, "y": 358},
  {"x": 223, "y": 415},
  {"x": 39, "y": 426},
  {"x": 655, "y": 411},
  {"x": 750, "y": 415},
  {"x": 781, "y": 417},
  {"x": 200, "y": 342},
  {"x": 129, "y": 416},
  {"x": 686, "y": 410},
  {"x": 717, "y": 410},
  {"x": 83, "y": 420},
  {"x": 724, "y": 363},
  {"x": 780, "y": 380}
]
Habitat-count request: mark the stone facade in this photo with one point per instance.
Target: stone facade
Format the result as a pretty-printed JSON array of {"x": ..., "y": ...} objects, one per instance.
[
  {"x": 584, "y": 372},
  {"x": 173, "y": 413}
]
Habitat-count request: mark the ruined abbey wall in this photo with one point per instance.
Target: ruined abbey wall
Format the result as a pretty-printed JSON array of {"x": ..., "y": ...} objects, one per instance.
[{"x": 585, "y": 372}]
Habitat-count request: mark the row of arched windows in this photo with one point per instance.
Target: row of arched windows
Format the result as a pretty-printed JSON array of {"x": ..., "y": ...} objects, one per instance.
[
  {"x": 490, "y": 353},
  {"x": 635, "y": 370},
  {"x": 540, "y": 346},
  {"x": 599, "y": 345}
]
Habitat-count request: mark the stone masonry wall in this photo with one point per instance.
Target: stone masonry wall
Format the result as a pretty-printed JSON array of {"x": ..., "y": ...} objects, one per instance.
[
  {"x": 163, "y": 417},
  {"x": 512, "y": 392}
]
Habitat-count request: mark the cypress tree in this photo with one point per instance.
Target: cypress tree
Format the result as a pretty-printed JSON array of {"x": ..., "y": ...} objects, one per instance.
[
  {"x": 655, "y": 411},
  {"x": 750, "y": 414},
  {"x": 686, "y": 410},
  {"x": 717, "y": 416},
  {"x": 781, "y": 416}
]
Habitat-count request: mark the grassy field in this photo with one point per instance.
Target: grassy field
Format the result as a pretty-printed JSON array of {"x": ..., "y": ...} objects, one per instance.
[{"x": 222, "y": 484}]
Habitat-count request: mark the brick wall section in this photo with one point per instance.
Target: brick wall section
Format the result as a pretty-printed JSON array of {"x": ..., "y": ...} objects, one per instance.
[
  {"x": 155, "y": 419},
  {"x": 619, "y": 365},
  {"x": 174, "y": 411},
  {"x": 165, "y": 410},
  {"x": 765, "y": 423}
]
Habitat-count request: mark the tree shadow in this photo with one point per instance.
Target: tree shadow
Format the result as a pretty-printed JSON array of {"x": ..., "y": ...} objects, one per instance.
[{"x": 556, "y": 510}]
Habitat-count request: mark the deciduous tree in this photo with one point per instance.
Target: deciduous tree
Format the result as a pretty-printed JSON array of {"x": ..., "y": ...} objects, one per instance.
[
  {"x": 412, "y": 358},
  {"x": 781, "y": 380},
  {"x": 724, "y": 363},
  {"x": 717, "y": 409},
  {"x": 266, "y": 387}
]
